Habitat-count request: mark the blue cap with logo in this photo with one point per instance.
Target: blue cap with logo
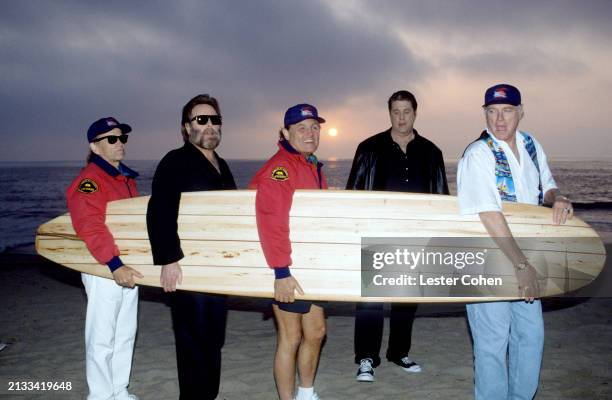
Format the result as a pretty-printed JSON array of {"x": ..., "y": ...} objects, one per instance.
[
  {"x": 300, "y": 112},
  {"x": 104, "y": 125},
  {"x": 502, "y": 94}
]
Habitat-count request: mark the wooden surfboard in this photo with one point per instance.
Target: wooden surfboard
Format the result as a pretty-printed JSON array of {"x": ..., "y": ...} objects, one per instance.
[{"x": 223, "y": 254}]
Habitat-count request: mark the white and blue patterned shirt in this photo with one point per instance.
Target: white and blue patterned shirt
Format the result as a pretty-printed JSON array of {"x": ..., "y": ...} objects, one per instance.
[{"x": 477, "y": 184}]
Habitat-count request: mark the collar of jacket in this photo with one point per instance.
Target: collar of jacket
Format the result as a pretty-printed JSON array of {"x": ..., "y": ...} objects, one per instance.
[
  {"x": 284, "y": 144},
  {"x": 390, "y": 138},
  {"x": 112, "y": 171},
  {"x": 194, "y": 150}
]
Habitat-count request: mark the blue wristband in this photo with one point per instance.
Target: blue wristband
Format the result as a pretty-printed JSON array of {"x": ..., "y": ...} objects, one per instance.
[
  {"x": 114, "y": 263},
  {"x": 282, "y": 272}
]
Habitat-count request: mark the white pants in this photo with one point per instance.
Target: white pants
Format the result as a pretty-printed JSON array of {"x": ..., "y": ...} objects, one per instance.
[{"x": 110, "y": 330}]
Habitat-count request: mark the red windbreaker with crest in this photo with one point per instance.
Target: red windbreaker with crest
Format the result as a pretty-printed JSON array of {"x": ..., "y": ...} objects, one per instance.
[
  {"x": 275, "y": 182},
  {"x": 87, "y": 196}
]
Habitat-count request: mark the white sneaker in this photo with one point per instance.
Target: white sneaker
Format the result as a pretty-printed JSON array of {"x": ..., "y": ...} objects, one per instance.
[
  {"x": 408, "y": 365},
  {"x": 314, "y": 396},
  {"x": 365, "y": 373}
]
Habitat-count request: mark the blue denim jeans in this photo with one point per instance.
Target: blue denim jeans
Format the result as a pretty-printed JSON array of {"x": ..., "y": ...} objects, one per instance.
[{"x": 506, "y": 331}]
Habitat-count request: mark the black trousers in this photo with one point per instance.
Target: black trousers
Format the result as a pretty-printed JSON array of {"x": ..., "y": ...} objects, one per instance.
[
  {"x": 369, "y": 322},
  {"x": 199, "y": 322}
]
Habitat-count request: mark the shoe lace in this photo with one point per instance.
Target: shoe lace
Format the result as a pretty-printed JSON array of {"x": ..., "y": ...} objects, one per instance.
[
  {"x": 365, "y": 365},
  {"x": 407, "y": 360}
]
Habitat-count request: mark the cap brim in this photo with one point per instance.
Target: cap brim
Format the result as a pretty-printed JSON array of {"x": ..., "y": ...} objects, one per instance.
[
  {"x": 501, "y": 101},
  {"x": 321, "y": 120},
  {"x": 124, "y": 128}
]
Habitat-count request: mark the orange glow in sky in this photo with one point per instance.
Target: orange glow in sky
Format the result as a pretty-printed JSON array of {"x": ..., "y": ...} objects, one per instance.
[{"x": 333, "y": 132}]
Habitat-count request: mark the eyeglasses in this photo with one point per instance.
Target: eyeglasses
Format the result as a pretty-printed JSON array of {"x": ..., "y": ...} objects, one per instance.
[
  {"x": 113, "y": 139},
  {"x": 203, "y": 119}
]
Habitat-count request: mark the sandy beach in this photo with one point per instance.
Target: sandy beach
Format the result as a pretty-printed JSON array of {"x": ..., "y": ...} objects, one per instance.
[{"x": 42, "y": 320}]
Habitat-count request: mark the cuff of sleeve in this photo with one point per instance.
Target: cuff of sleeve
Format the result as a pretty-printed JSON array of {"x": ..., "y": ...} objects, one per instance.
[
  {"x": 546, "y": 189},
  {"x": 165, "y": 259},
  {"x": 282, "y": 272},
  {"x": 114, "y": 263}
]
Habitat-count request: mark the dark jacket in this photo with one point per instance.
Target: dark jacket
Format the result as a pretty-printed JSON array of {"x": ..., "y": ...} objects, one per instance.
[
  {"x": 371, "y": 166},
  {"x": 181, "y": 170}
]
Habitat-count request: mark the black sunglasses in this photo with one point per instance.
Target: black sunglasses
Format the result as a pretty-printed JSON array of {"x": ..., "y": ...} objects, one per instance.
[
  {"x": 203, "y": 119},
  {"x": 113, "y": 139}
]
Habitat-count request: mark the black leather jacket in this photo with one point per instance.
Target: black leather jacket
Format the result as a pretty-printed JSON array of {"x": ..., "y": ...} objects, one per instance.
[{"x": 370, "y": 166}]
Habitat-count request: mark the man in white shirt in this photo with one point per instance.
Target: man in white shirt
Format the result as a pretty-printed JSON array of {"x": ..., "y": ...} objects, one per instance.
[{"x": 505, "y": 164}]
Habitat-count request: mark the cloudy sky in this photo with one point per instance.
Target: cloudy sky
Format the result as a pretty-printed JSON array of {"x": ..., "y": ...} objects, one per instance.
[{"x": 64, "y": 64}]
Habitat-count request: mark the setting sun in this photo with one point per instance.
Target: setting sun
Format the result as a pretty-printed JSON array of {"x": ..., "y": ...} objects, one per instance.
[{"x": 332, "y": 132}]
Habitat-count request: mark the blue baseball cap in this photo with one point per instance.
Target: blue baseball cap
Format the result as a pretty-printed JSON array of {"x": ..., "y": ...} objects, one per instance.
[
  {"x": 502, "y": 94},
  {"x": 299, "y": 113},
  {"x": 104, "y": 125}
]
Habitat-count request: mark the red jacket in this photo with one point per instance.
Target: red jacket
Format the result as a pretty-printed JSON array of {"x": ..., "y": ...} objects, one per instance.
[
  {"x": 275, "y": 182},
  {"x": 97, "y": 184}
]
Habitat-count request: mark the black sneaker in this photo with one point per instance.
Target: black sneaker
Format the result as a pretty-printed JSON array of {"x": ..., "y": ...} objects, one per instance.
[
  {"x": 408, "y": 365},
  {"x": 365, "y": 373}
]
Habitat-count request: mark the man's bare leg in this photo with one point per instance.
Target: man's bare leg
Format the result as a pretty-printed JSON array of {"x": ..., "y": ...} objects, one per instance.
[
  {"x": 313, "y": 329},
  {"x": 288, "y": 338}
]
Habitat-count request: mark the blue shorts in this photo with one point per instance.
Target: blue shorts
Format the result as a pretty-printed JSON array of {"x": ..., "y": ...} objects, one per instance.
[{"x": 298, "y": 306}]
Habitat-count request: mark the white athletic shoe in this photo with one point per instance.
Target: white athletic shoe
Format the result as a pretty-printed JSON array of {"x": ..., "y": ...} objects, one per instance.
[
  {"x": 314, "y": 396},
  {"x": 408, "y": 365},
  {"x": 365, "y": 373}
]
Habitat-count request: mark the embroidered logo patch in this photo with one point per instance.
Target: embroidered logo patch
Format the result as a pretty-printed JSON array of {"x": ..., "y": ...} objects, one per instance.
[
  {"x": 88, "y": 186},
  {"x": 500, "y": 93},
  {"x": 306, "y": 112},
  {"x": 280, "y": 174}
]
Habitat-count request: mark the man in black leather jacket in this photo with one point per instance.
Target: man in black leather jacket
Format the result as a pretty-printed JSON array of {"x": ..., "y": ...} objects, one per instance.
[{"x": 398, "y": 159}]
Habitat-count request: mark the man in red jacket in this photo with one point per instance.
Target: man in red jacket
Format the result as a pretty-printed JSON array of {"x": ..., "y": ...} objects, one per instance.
[
  {"x": 110, "y": 324},
  {"x": 301, "y": 324}
]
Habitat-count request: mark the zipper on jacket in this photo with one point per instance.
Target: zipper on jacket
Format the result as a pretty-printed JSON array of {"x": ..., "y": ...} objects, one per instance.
[{"x": 127, "y": 183}]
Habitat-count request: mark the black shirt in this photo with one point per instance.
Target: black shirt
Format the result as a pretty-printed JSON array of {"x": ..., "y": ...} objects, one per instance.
[
  {"x": 408, "y": 170},
  {"x": 181, "y": 170}
]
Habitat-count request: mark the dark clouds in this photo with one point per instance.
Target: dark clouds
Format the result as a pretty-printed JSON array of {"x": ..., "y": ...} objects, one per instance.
[
  {"x": 142, "y": 61},
  {"x": 482, "y": 18},
  {"x": 67, "y": 63}
]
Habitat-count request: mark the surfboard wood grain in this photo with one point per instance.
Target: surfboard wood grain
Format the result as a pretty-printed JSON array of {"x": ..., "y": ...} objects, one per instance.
[{"x": 223, "y": 255}]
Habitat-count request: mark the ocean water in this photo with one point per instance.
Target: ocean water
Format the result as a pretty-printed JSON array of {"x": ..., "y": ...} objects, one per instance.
[{"x": 33, "y": 192}]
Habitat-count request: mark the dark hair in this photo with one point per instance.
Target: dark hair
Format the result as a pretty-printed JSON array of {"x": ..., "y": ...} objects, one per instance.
[
  {"x": 191, "y": 104},
  {"x": 403, "y": 95},
  {"x": 89, "y": 156}
]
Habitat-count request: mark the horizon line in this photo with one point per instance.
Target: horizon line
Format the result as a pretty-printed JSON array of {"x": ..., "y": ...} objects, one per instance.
[{"x": 328, "y": 159}]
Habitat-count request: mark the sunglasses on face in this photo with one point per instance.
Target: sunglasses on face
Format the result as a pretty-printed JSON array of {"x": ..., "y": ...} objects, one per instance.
[
  {"x": 113, "y": 139},
  {"x": 203, "y": 119}
]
